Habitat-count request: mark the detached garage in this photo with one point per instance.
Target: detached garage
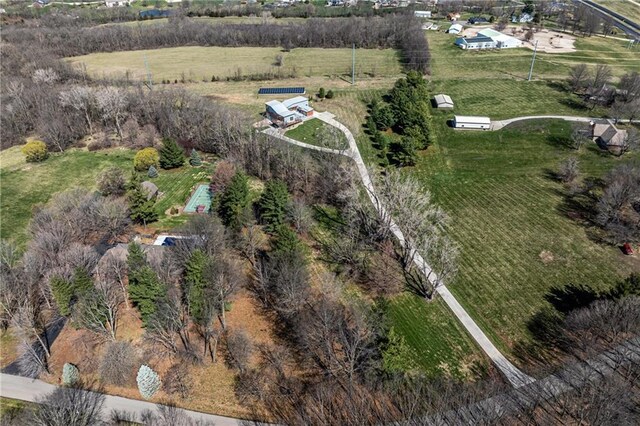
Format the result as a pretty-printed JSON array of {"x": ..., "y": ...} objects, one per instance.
[{"x": 471, "y": 122}]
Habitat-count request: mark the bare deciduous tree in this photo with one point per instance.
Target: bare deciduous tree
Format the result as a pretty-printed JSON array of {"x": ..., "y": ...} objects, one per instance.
[
  {"x": 118, "y": 364},
  {"x": 569, "y": 170},
  {"x": 68, "y": 406},
  {"x": 239, "y": 349}
]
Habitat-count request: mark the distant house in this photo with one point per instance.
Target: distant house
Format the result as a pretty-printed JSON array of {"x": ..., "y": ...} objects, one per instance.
[
  {"x": 477, "y": 20},
  {"x": 453, "y": 16},
  {"x": 607, "y": 135},
  {"x": 455, "y": 29},
  {"x": 154, "y": 13},
  {"x": 422, "y": 13},
  {"x": 288, "y": 112},
  {"x": 477, "y": 42},
  {"x": 116, "y": 3},
  {"x": 503, "y": 41},
  {"x": 523, "y": 19},
  {"x": 443, "y": 101},
  {"x": 471, "y": 122}
]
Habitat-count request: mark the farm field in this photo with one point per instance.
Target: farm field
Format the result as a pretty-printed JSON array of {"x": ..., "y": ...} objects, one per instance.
[
  {"x": 506, "y": 211},
  {"x": 218, "y": 21},
  {"x": 308, "y": 132},
  {"x": 197, "y": 63},
  {"x": 625, "y": 8}
]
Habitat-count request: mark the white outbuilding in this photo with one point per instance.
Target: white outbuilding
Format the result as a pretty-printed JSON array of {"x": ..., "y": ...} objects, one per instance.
[
  {"x": 503, "y": 41},
  {"x": 455, "y": 29},
  {"x": 443, "y": 101},
  {"x": 471, "y": 122}
]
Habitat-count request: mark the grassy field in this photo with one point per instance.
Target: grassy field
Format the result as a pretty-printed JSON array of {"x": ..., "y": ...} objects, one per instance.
[
  {"x": 623, "y": 7},
  {"x": 308, "y": 132},
  {"x": 26, "y": 185},
  {"x": 505, "y": 212},
  {"x": 197, "y": 63},
  {"x": 449, "y": 61},
  {"x": 9, "y": 408}
]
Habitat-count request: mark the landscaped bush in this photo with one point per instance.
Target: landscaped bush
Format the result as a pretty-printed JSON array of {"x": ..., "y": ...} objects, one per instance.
[
  {"x": 70, "y": 374},
  {"x": 112, "y": 182},
  {"x": 171, "y": 155},
  {"x": 35, "y": 151},
  {"x": 148, "y": 381},
  {"x": 195, "y": 159},
  {"x": 153, "y": 172},
  {"x": 118, "y": 363},
  {"x": 329, "y": 94},
  {"x": 146, "y": 158}
]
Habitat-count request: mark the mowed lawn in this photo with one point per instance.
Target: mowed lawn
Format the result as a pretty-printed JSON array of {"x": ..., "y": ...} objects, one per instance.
[
  {"x": 625, "y": 8},
  {"x": 308, "y": 132},
  {"x": 198, "y": 63},
  {"x": 505, "y": 212},
  {"x": 25, "y": 185}
]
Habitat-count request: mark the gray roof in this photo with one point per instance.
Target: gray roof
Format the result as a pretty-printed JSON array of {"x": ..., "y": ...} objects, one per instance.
[
  {"x": 297, "y": 100},
  {"x": 279, "y": 108},
  {"x": 443, "y": 100},
  {"x": 150, "y": 187}
]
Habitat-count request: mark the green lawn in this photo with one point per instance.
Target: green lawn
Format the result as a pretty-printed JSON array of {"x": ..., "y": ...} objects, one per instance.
[
  {"x": 505, "y": 212},
  {"x": 623, "y": 7},
  {"x": 24, "y": 185},
  {"x": 439, "y": 343},
  {"x": 197, "y": 63},
  {"x": 308, "y": 132},
  {"x": 9, "y": 408}
]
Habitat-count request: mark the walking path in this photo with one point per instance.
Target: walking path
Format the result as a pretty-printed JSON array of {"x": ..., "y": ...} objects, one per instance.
[
  {"x": 516, "y": 377},
  {"x": 26, "y": 389}
]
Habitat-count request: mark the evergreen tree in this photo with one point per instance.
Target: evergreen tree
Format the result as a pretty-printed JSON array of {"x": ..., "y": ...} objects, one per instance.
[
  {"x": 405, "y": 153},
  {"x": 286, "y": 241},
  {"x": 70, "y": 374},
  {"x": 329, "y": 94},
  {"x": 195, "y": 159},
  {"x": 153, "y": 172},
  {"x": 67, "y": 293},
  {"x": 273, "y": 204},
  {"x": 321, "y": 93},
  {"x": 141, "y": 207},
  {"x": 148, "y": 381},
  {"x": 234, "y": 200},
  {"x": 145, "y": 289},
  {"x": 171, "y": 154},
  {"x": 195, "y": 283}
]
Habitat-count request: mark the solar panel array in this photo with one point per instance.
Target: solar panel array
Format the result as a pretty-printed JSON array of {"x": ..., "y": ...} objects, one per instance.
[{"x": 281, "y": 91}]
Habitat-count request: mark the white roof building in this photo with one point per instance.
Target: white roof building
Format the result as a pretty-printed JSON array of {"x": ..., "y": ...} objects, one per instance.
[
  {"x": 455, "y": 29},
  {"x": 443, "y": 101},
  {"x": 471, "y": 122},
  {"x": 503, "y": 41}
]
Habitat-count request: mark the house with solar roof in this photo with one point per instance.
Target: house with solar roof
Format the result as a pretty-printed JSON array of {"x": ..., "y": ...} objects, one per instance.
[{"x": 288, "y": 112}]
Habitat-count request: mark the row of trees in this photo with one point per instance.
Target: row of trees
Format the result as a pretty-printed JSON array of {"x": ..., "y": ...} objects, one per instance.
[{"x": 595, "y": 84}]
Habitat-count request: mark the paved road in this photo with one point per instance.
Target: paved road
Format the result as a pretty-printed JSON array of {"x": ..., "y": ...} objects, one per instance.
[
  {"x": 516, "y": 377},
  {"x": 25, "y": 389}
]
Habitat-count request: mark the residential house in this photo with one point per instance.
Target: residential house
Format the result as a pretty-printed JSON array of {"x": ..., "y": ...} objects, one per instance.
[
  {"x": 116, "y": 3},
  {"x": 453, "y": 16},
  {"x": 607, "y": 135},
  {"x": 523, "y": 19},
  {"x": 477, "y": 42},
  {"x": 288, "y": 112},
  {"x": 477, "y": 20}
]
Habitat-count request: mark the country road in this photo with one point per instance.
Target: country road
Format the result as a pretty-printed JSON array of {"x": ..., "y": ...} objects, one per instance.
[
  {"x": 515, "y": 377},
  {"x": 26, "y": 389}
]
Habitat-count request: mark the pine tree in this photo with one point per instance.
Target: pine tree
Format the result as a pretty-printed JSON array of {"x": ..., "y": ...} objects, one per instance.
[
  {"x": 234, "y": 200},
  {"x": 195, "y": 282},
  {"x": 195, "y": 159},
  {"x": 141, "y": 208},
  {"x": 321, "y": 93},
  {"x": 66, "y": 293},
  {"x": 70, "y": 374},
  {"x": 171, "y": 155},
  {"x": 286, "y": 240},
  {"x": 148, "y": 381},
  {"x": 273, "y": 204},
  {"x": 153, "y": 172},
  {"x": 145, "y": 289},
  {"x": 329, "y": 94}
]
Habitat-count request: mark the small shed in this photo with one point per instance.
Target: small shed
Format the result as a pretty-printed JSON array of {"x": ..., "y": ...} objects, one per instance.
[
  {"x": 422, "y": 13},
  {"x": 443, "y": 101},
  {"x": 455, "y": 29},
  {"x": 471, "y": 122}
]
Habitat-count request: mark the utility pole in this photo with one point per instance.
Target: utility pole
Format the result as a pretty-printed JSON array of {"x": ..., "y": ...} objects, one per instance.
[
  {"x": 533, "y": 59},
  {"x": 146, "y": 65},
  {"x": 353, "y": 64}
]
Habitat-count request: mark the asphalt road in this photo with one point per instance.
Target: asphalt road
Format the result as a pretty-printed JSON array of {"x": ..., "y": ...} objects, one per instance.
[{"x": 26, "y": 389}]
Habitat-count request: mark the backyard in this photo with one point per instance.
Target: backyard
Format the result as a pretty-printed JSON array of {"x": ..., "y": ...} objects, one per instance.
[{"x": 311, "y": 132}]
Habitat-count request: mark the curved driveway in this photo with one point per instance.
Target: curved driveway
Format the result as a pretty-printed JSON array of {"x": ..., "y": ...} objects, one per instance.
[{"x": 516, "y": 377}]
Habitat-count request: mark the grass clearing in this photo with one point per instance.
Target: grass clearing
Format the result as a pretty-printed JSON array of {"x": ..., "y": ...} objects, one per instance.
[
  {"x": 505, "y": 212},
  {"x": 24, "y": 185},
  {"x": 199, "y": 64},
  {"x": 625, "y": 8},
  {"x": 308, "y": 132}
]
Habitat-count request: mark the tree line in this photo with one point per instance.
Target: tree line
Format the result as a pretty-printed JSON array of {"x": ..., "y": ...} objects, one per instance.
[{"x": 393, "y": 31}]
